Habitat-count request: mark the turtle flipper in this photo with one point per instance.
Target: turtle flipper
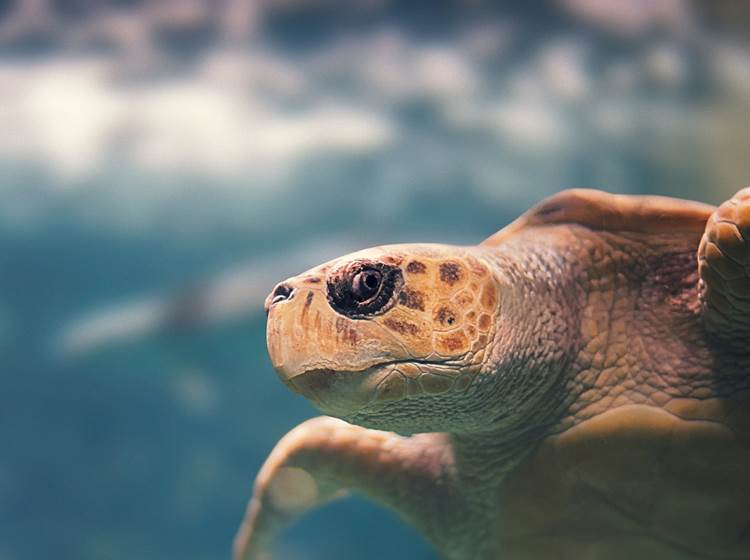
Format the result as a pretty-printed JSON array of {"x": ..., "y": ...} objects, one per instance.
[
  {"x": 323, "y": 458},
  {"x": 724, "y": 266}
]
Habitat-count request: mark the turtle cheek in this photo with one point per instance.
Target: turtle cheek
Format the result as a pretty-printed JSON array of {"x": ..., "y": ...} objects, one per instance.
[
  {"x": 453, "y": 344},
  {"x": 405, "y": 335}
]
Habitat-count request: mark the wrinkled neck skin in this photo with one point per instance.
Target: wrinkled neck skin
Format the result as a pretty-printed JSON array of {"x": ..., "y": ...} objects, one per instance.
[
  {"x": 588, "y": 322},
  {"x": 535, "y": 347},
  {"x": 585, "y": 322}
]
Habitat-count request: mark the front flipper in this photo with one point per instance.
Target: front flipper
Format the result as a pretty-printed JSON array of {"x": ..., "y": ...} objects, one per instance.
[
  {"x": 324, "y": 457},
  {"x": 724, "y": 265}
]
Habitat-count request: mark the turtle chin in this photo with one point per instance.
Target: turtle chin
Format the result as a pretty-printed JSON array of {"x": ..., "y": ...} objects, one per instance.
[
  {"x": 401, "y": 396},
  {"x": 343, "y": 393}
]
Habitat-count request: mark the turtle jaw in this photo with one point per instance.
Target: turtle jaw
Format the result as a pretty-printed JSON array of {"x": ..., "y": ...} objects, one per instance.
[
  {"x": 341, "y": 393},
  {"x": 381, "y": 389}
]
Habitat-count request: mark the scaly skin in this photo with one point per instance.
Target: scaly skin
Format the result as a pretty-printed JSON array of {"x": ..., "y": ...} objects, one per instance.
[
  {"x": 577, "y": 385},
  {"x": 723, "y": 260}
]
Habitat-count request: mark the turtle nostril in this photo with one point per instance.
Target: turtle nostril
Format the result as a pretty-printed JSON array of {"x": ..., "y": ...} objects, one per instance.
[{"x": 281, "y": 292}]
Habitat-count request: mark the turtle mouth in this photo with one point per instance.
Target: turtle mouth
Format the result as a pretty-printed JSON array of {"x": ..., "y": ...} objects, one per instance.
[
  {"x": 323, "y": 379},
  {"x": 341, "y": 392}
]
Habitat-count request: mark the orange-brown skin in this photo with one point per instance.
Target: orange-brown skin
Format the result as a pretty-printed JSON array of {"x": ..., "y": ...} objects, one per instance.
[{"x": 578, "y": 385}]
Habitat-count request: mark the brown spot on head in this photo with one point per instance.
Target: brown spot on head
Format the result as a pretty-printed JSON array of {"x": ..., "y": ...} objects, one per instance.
[
  {"x": 401, "y": 327},
  {"x": 445, "y": 316},
  {"x": 489, "y": 297},
  {"x": 451, "y": 344},
  {"x": 450, "y": 272},
  {"x": 484, "y": 322},
  {"x": 352, "y": 336},
  {"x": 306, "y": 306},
  {"x": 312, "y": 280},
  {"x": 413, "y": 299},
  {"x": 416, "y": 267},
  {"x": 346, "y": 332},
  {"x": 395, "y": 260},
  {"x": 317, "y": 322}
]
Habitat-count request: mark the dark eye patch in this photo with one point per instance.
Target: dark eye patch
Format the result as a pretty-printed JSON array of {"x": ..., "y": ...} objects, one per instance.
[{"x": 364, "y": 288}]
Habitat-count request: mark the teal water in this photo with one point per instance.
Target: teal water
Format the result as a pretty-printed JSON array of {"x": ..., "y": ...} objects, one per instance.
[{"x": 133, "y": 186}]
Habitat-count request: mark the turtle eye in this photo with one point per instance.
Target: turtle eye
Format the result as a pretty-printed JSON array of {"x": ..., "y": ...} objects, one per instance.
[
  {"x": 362, "y": 288},
  {"x": 365, "y": 284}
]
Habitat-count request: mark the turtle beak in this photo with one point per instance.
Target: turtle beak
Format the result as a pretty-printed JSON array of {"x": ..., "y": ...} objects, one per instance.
[
  {"x": 304, "y": 334},
  {"x": 295, "y": 339}
]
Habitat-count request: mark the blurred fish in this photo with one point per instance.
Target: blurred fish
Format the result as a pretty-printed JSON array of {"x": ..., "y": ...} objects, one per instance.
[{"x": 234, "y": 294}]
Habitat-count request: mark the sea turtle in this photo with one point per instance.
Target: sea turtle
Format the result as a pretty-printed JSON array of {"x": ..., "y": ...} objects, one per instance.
[{"x": 577, "y": 386}]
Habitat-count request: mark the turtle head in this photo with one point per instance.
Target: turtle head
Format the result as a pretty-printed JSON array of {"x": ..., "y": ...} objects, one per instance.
[{"x": 386, "y": 337}]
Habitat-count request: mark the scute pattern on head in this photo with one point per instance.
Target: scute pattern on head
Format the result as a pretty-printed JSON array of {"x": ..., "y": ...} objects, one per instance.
[{"x": 449, "y": 290}]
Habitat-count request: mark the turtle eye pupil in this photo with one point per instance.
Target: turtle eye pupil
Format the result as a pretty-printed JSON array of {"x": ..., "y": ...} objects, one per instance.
[
  {"x": 371, "y": 280},
  {"x": 365, "y": 284}
]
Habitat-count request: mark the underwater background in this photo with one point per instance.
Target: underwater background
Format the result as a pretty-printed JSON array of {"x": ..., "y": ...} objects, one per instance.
[{"x": 164, "y": 163}]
